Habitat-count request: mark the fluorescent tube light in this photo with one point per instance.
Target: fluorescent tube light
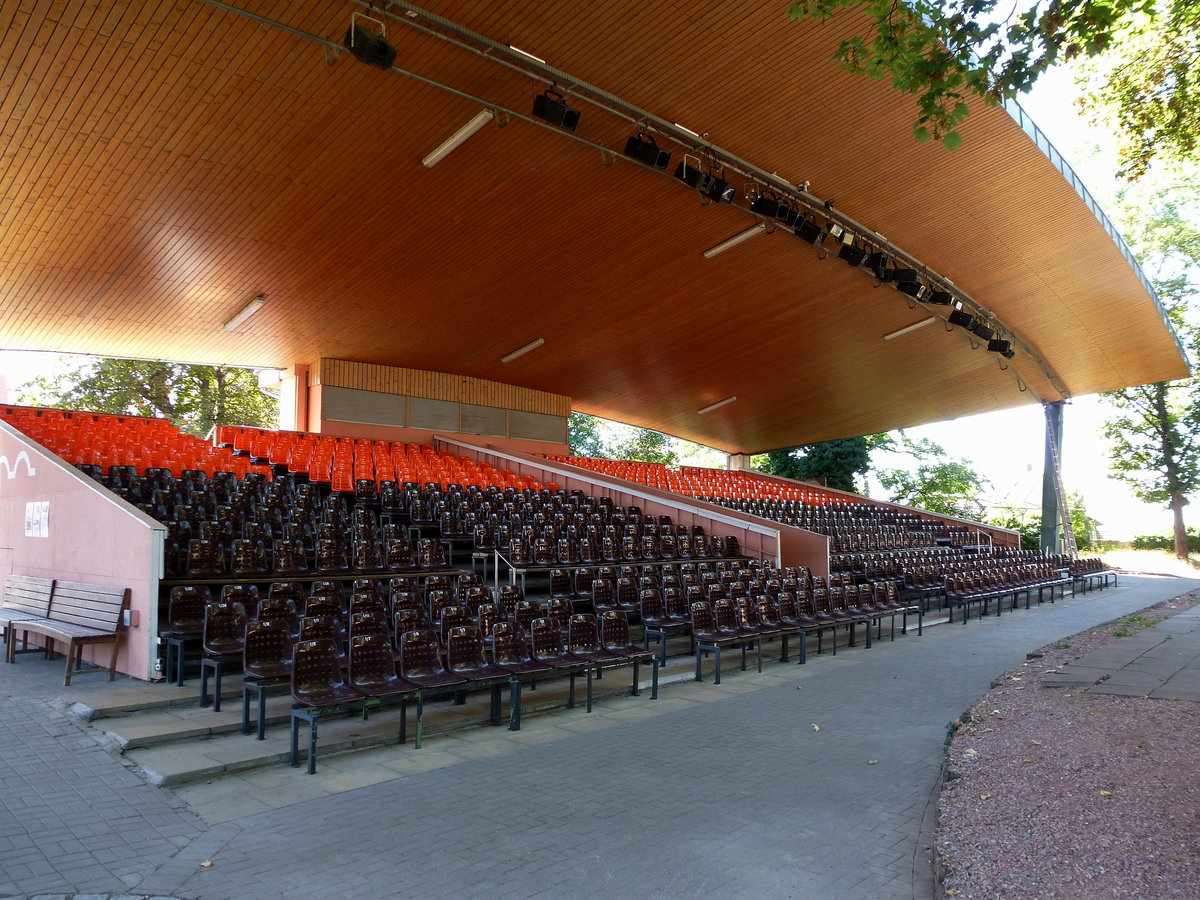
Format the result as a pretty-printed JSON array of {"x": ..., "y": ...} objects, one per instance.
[
  {"x": 521, "y": 351},
  {"x": 909, "y": 328},
  {"x": 456, "y": 140},
  {"x": 244, "y": 313},
  {"x": 734, "y": 241},
  {"x": 717, "y": 405},
  {"x": 526, "y": 54}
]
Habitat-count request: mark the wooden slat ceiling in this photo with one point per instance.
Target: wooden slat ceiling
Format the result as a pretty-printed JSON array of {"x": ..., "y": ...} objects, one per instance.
[{"x": 164, "y": 162}]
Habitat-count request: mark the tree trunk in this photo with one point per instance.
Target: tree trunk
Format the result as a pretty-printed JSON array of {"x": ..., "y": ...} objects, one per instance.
[{"x": 1178, "y": 501}]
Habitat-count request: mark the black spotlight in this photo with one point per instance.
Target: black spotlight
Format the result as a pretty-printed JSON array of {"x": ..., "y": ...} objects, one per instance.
[
  {"x": 369, "y": 47},
  {"x": 899, "y": 275},
  {"x": 912, "y": 288},
  {"x": 982, "y": 332},
  {"x": 643, "y": 148},
  {"x": 788, "y": 215},
  {"x": 766, "y": 205},
  {"x": 1004, "y": 348},
  {"x": 962, "y": 319},
  {"x": 810, "y": 231},
  {"x": 852, "y": 254},
  {"x": 706, "y": 183},
  {"x": 877, "y": 263},
  {"x": 941, "y": 298},
  {"x": 551, "y": 107}
]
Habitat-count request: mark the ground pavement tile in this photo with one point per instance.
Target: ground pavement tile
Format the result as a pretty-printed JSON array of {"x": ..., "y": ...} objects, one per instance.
[{"x": 733, "y": 791}]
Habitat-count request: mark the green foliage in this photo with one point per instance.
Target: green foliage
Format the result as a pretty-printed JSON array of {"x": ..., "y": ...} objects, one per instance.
[
  {"x": 950, "y": 52},
  {"x": 192, "y": 397},
  {"x": 939, "y": 485},
  {"x": 833, "y": 463},
  {"x": 1029, "y": 527},
  {"x": 1166, "y": 541},
  {"x": 593, "y": 436}
]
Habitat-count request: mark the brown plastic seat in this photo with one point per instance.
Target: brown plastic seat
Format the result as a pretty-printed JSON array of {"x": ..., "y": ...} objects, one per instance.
[
  {"x": 525, "y": 613},
  {"x": 510, "y": 650},
  {"x": 318, "y": 688},
  {"x": 465, "y": 656},
  {"x": 583, "y": 641},
  {"x": 283, "y": 609},
  {"x": 549, "y": 646},
  {"x": 248, "y": 558},
  {"x": 223, "y": 641},
  {"x": 453, "y": 617},
  {"x": 369, "y": 622},
  {"x": 325, "y": 605},
  {"x": 325, "y": 627},
  {"x": 421, "y": 661},
  {"x": 560, "y": 608},
  {"x": 185, "y": 608},
  {"x": 373, "y": 668},
  {"x": 204, "y": 559}
]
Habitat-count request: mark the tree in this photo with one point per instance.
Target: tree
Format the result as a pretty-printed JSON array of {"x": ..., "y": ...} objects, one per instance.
[
  {"x": 584, "y": 435},
  {"x": 939, "y": 485},
  {"x": 1154, "y": 427},
  {"x": 834, "y": 463},
  {"x": 950, "y": 51},
  {"x": 194, "y": 398},
  {"x": 593, "y": 436}
]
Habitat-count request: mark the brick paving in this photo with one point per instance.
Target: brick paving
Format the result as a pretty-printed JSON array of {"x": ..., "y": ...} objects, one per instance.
[{"x": 724, "y": 788}]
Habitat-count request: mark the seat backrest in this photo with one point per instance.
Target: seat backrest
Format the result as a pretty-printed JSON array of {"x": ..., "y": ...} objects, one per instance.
[
  {"x": 315, "y": 668},
  {"x": 560, "y": 608},
  {"x": 371, "y": 659},
  {"x": 267, "y": 641},
  {"x": 420, "y": 654},
  {"x": 224, "y": 621},
  {"x": 464, "y": 649},
  {"x": 546, "y": 639},
  {"x": 604, "y": 594},
  {"x": 369, "y": 622},
  {"x": 582, "y": 634},
  {"x": 321, "y": 627},
  {"x": 703, "y": 621},
  {"x": 526, "y": 611},
  {"x": 509, "y": 644},
  {"x": 614, "y": 630},
  {"x": 650, "y": 602},
  {"x": 185, "y": 609},
  {"x": 324, "y": 605}
]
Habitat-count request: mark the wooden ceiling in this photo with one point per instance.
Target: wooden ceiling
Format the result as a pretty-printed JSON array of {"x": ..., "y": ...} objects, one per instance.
[{"x": 164, "y": 162}]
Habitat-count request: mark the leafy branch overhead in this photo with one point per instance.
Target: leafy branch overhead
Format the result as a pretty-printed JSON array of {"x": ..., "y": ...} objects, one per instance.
[{"x": 953, "y": 52}]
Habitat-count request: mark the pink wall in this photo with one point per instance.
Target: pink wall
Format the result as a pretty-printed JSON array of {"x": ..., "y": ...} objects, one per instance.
[{"x": 94, "y": 537}]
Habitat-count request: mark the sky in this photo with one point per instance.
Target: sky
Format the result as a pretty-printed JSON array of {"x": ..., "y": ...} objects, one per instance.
[{"x": 1006, "y": 446}]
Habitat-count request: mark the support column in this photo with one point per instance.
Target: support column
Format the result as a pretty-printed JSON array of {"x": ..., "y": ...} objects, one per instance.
[{"x": 1051, "y": 519}]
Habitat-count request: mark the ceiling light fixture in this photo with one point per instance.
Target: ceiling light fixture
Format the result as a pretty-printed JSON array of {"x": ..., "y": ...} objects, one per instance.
[
  {"x": 550, "y": 106},
  {"x": 908, "y": 329},
  {"x": 521, "y": 351},
  {"x": 941, "y": 298},
  {"x": 460, "y": 137},
  {"x": 809, "y": 230},
  {"x": 912, "y": 288},
  {"x": 961, "y": 319},
  {"x": 244, "y": 313},
  {"x": 707, "y": 184},
  {"x": 735, "y": 240},
  {"x": 717, "y": 405},
  {"x": 526, "y": 54}
]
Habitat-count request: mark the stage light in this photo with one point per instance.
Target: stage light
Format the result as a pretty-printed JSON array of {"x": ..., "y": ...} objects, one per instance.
[
  {"x": 1004, "y": 348},
  {"x": 912, "y": 288},
  {"x": 809, "y": 230},
  {"x": 941, "y": 298},
  {"x": 707, "y": 184},
  {"x": 460, "y": 137},
  {"x": 551, "y": 107},
  {"x": 983, "y": 332},
  {"x": 766, "y": 205},
  {"x": 852, "y": 254},
  {"x": 899, "y": 275},
  {"x": 644, "y": 148},
  {"x": 961, "y": 319},
  {"x": 877, "y": 263},
  {"x": 370, "y": 47}
]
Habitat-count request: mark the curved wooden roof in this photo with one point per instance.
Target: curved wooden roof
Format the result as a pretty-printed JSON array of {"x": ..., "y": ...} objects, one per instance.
[{"x": 164, "y": 162}]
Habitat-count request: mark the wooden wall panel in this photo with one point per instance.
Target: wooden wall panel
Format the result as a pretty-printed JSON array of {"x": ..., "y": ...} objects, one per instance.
[{"x": 438, "y": 386}]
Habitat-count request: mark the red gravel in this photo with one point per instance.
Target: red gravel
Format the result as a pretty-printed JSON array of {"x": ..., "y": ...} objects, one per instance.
[{"x": 1059, "y": 793}]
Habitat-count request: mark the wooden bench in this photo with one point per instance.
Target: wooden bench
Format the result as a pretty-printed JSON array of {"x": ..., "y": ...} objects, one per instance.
[
  {"x": 79, "y": 615},
  {"x": 26, "y": 597}
]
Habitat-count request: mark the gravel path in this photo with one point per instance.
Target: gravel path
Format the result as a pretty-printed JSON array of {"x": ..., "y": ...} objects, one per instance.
[{"x": 1059, "y": 793}]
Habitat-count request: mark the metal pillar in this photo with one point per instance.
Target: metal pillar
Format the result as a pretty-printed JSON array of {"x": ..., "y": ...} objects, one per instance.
[{"x": 1051, "y": 525}]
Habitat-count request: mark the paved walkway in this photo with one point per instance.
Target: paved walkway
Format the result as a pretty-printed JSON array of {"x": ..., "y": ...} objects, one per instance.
[{"x": 730, "y": 788}]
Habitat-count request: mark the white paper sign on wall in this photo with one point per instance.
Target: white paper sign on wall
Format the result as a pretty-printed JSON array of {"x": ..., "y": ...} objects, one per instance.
[{"x": 37, "y": 518}]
